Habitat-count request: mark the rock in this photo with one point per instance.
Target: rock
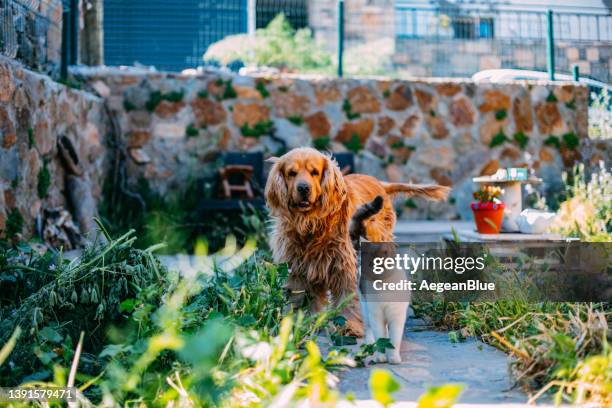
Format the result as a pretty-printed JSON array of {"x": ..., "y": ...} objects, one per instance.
[
  {"x": 394, "y": 174},
  {"x": 549, "y": 118},
  {"x": 463, "y": 142},
  {"x": 139, "y": 119},
  {"x": 7, "y": 129},
  {"x": 489, "y": 168},
  {"x": 510, "y": 153},
  {"x": 224, "y": 138},
  {"x": 139, "y": 156},
  {"x": 101, "y": 88},
  {"x": 250, "y": 114},
  {"x": 400, "y": 98},
  {"x": 564, "y": 93},
  {"x": 426, "y": 101},
  {"x": 247, "y": 92},
  {"x": 167, "y": 109},
  {"x": 83, "y": 205},
  {"x": 168, "y": 131},
  {"x": 569, "y": 156},
  {"x": 377, "y": 148},
  {"x": 318, "y": 124},
  {"x": 410, "y": 125},
  {"x": 461, "y": 112},
  {"x": 138, "y": 138},
  {"x": 436, "y": 156},
  {"x": 385, "y": 125},
  {"x": 362, "y": 128},
  {"x": 208, "y": 112},
  {"x": 7, "y": 83},
  {"x": 494, "y": 100},
  {"x": 326, "y": 92},
  {"x": 448, "y": 89},
  {"x": 362, "y": 100},
  {"x": 521, "y": 110},
  {"x": 436, "y": 127},
  {"x": 288, "y": 104},
  {"x": 441, "y": 176},
  {"x": 43, "y": 138},
  {"x": 489, "y": 128}
]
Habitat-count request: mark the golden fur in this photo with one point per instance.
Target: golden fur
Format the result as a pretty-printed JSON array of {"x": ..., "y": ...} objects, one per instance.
[{"x": 311, "y": 203}]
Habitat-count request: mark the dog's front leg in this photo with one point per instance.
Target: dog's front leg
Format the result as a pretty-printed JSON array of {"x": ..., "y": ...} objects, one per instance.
[
  {"x": 352, "y": 312},
  {"x": 296, "y": 291}
]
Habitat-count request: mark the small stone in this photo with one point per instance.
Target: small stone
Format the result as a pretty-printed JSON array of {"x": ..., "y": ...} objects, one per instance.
[
  {"x": 549, "y": 118},
  {"x": 168, "y": 131},
  {"x": 43, "y": 138},
  {"x": 440, "y": 156},
  {"x": 490, "y": 168},
  {"x": 318, "y": 124},
  {"x": 394, "y": 174},
  {"x": 546, "y": 155},
  {"x": 564, "y": 93},
  {"x": 139, "y": 119},
  {"x": 167, "y": 109},
  {"x": 489, "y": 128},
  {"x": 448, "y": 89},
  {"x": 7, "y": 83},
  {"x": 138, "y": 138},
  {"x": 399, "y": 99},
  {"x": 385, "y": 125},
  {"x": 139, "y": 156},
  {"x": 101, "y": 88},
  {"x": 208, "y": 112},
  {"x": 461, "y": 112},
  {"x": 326, "y": 92},
  {"x": 362, "y": 128},
  {"x": 225, "y": 137},
  {"x": 250, "y": 114},
  {"x": 287, "y": 104},
  {"x": 9, "y": 140},
  {"x": 521, "y": 110},
  {"x": 510, "y": 153},
  {"x": 362, "y": 100},
  {"x": 436, "y": 126},
  {"x": 441, "y": 176},
  {"x": 425, "y": 100},
  {"x": 494, "y": 100},
  {"x": 7, "y": 129},
  {"x": 410, "y": 125},
  {"x": 246, "y": 92}
]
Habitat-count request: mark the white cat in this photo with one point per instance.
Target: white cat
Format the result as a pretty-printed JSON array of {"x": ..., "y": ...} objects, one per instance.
[{"x": 383, "y": 317}]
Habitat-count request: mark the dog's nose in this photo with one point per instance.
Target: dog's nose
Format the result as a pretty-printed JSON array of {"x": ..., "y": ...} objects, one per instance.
[{"x": 303, "y": 189}]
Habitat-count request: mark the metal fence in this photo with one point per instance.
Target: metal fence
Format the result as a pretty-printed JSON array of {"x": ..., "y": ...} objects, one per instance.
[{"x": 30, "y": 31}]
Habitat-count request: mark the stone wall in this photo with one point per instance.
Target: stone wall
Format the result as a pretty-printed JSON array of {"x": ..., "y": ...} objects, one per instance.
[
  {"x": 34, "y": 112},
  {"x": 438, "y": 131}
]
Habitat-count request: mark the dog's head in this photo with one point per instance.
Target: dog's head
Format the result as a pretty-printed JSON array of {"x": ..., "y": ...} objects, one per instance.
[{"x": 305, "y": 181}]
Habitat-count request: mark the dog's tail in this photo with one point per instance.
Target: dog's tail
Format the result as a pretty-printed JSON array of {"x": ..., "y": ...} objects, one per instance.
[{"x": 428, "y": 191}]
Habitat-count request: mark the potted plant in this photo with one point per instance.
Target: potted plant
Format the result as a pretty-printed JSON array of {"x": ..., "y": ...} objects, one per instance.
[{"x": 488, "y": 210}]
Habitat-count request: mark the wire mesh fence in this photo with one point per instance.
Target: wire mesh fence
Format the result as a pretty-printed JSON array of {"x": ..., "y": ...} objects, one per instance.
[{"x": 30, "y": 31}]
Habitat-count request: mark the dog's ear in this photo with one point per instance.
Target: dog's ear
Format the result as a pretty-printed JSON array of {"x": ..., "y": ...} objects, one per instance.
[
  {"x": 333, "y": 186},
  {"x": 276, "y": 188}
]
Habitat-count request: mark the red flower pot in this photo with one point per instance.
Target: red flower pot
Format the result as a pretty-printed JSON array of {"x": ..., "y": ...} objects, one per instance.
[{"x": 488, "y": 217}]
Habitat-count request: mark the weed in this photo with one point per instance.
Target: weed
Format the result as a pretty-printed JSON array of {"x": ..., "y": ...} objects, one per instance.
[
  {"x": 348, "y": 110},
  {"x": 501, "y": 115},
  {"x": 354, "y": 143},
  {"x": 570, "y": 140},
  {"x": 14, "y": 223},
  {"x": 552, "y": 141},
  {"x": 297, "y": 120},
  {"x": 260, "y": 129},
  {"x": 499, "y": 139},
  {"x": 203, "y": 94},
  {"x": 521, "y": 139},
  {"x": 260, "y": 86},
  {"x": 31, "y": 141},
  {"x": 44, "y": 181},
  {"x": 191, "y": 131},
  {"x": 551, "y": 97},
  {"x": 321, "y": 143}
]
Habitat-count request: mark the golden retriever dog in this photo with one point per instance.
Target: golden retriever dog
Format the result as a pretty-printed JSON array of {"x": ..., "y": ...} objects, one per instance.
[{"x": 311, "y": 204}]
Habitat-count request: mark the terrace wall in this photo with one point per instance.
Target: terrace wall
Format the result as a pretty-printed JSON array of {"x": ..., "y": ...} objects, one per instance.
[
  {"x": 440, "y": 131},
  {"x": 34, "y": 112}
]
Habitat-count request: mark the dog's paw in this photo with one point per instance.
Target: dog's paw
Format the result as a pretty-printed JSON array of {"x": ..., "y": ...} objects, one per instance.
[
  {"x": 394, "y": 358},
  {"x": 380, "y": 358}
]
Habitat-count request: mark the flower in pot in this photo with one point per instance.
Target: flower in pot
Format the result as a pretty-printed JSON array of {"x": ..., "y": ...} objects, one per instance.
[{"x": 488, "y": 210}]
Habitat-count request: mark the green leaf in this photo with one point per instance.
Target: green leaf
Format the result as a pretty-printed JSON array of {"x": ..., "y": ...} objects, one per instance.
[
  {"x": 521, "y": 139},
  {"x": 49, "y": 334},
  {"x": 552, "y": 141},
  {"x": 354, "y": 144},
  {"x": 127, "y": 305},
  {"x": 571, "y": 140},
  {"x": 112, "y": 350},
  {"x": 321, "y": 143},
  {"x": 501, "y": 114},
  {"x": 440, "y": 397},
  {"x": 498, "y": 139},
  {"x": 551, "y": 97},
  {"x": 382, "y": 385}
]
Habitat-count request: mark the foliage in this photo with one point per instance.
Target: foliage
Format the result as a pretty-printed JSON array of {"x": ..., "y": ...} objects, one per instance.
[
  {"x": 156, "y": 97},
  {"x": 14, "y": 223},
  {"x": 321, "y": 143},
  {"x": 498, "y": 139},
  {"x": 501, "y": 114},
  {"x": 488, "y": 194},
  {"x": 260, "y": 129},
  {"x": 261, "y": 88},
  {"x": 552, "y": 141},
  {"x": 277, "y": 45},
  {"x": 297, "y": 120},
  {"x": 600, "y": 115},
  {"x": 549, "y": 341},
  {"x": 443, "y": 396},
  {"x": 587, "y": 213},
  {"x": 354, "y": 143},
  {"x": 44, "y": 181},
  {"x": 348, "y": 110},
  {"x": 521, "y": 139},
  {"x": 382, "y": 385},
  {"x": 191, "y": 131}
]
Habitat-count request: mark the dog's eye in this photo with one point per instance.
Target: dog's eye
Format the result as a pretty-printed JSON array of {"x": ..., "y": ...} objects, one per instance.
[
  {"x": 315, "y": 172},
  {"x": 292, "y": 173}
]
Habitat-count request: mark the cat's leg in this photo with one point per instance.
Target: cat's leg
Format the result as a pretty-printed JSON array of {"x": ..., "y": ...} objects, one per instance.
[{"x": 396, "y": 319}]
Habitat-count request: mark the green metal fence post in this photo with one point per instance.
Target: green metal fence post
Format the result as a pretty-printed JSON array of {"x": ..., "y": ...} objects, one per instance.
[
  {"x": 340, "y": 36},
  {"x": 550, "y": 46},
  {"x": 74, "y": 31},
  {"x": 576, "y": 73}
]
